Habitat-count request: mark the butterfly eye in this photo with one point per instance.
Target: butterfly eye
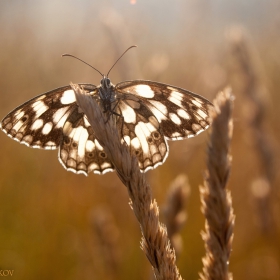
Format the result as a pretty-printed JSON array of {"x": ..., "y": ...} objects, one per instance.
[{"x": 108, "y": 82}]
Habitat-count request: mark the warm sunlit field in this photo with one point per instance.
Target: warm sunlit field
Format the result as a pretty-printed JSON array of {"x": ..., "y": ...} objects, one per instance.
[{"x": 55, "y": 224}]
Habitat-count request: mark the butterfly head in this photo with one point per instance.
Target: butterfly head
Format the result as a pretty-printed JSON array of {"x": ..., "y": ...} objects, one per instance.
[{"x": 106, "y": 82}]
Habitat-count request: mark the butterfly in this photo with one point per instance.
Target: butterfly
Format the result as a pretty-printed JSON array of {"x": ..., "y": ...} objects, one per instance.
[{"x": 147, "y": 114}]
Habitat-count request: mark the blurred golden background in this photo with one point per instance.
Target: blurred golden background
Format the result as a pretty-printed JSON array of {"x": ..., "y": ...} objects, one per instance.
[{"x": 58, "y": 225}]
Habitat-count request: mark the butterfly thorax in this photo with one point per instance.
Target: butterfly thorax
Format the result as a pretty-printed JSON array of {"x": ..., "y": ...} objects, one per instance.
[{"x": 106, "y": 93}]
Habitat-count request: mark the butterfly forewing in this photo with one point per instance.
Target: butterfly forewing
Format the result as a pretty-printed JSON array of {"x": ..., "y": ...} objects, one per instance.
[
  {"x": 37, "y": 123},
  {"x": 180, "y": 113}
]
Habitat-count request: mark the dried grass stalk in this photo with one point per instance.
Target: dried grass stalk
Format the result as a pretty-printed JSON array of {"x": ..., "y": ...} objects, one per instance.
[
  {"x": 107, "y": 243},
  {"x": 155, "y": 242},
  {"x": 256, "y": 93},
  {"x": 175, "y": 210},
  {"x": 254, "y": 90},
  {"x": 216, "y": 200}
]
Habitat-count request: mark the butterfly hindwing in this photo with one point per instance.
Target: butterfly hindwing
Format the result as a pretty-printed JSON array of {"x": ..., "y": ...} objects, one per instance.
[
  {"x": 79, "y": 150},
  {"x": 141, "y": 132}
]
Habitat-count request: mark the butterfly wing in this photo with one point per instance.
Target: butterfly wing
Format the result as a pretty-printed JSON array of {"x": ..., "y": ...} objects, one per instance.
[
  {"x": 79, "y": 150},
  {"x": 180, "y": 113},
  {"x": 150, "y": 113},
  {"x": 52, "y": 120},
  {"x": 37, "y": 123},
  {"x": 153, "y": 111},
  {"x": 141, "y": 132}
]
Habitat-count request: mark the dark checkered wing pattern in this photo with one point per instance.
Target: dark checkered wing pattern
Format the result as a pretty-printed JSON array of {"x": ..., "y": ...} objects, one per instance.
[
  {"x": 153, "y": 112},
  {"x": 53, "y": 120}
]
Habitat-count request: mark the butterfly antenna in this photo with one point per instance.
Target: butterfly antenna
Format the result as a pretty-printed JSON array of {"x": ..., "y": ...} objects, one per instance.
[
  {"x": 70, "y": 55},
  {"x": 134, "y": 46}
]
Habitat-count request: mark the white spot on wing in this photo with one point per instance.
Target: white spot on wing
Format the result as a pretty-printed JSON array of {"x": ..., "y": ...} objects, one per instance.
[
  {"x": 105, "y": 165},
  {"x": 37, "y": 124},
  {"x": 198, "y": 104},
  {"x": 176, "y": 98},
  {"x": 89, "y": 146},
  {"x": 128, "y": 113},
  {"x": 158, "y": 109},
  {"x": 171, "y": 88},
  {"x": 159, "y": 106},
  {"x": 50, "y": 143},
  {"x": 18, "y": 125},
  {"x": 60, "y": 116},
  {"x": 201, "y": 113},
  {"x": 47, "y": 128},
  {"x": 175, "y": 118},
  {"x": 150, "y": 128},
  {"x": 135, "y": 143},
  {"x": 87, "y": 124},
  {"x": 142, "y": 132},
  {"x": 82, "y": 142},
  {"x": 127, "y": 140},
  {"x": 68, "y": 97},
  {"x": 107, "y": 170},
  {"x": 93, "y": 166},
  {"x": 176, "y": 135},
  {"x": 41, "y": 97},
  {"x": 98, "y": 146},
  {"x": 144, "y": 91},
  {"x": 75, "y": 134},
  {"x": 19, "y": 115},
  {"x": 39, "y": 108},
  {"x": 183, "y": 114},
  {"x": 25, "y": 143}
]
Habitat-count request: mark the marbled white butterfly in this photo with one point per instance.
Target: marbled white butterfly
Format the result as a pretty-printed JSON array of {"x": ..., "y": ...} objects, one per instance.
[{"x": 147, "y": 115}]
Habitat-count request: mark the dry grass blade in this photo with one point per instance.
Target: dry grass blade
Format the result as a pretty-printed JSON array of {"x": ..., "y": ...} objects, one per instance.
[
  {"x": 107, "y": 243},
  {"x": 252, "y": 86},
  {"x": 174, "y": 210},
  {"x": 155, "y": 242},
  {"x": 216, "y": 200}
]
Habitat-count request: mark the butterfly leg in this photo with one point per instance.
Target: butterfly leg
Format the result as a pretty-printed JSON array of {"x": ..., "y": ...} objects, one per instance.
[{"x": 112, "y": 111}]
